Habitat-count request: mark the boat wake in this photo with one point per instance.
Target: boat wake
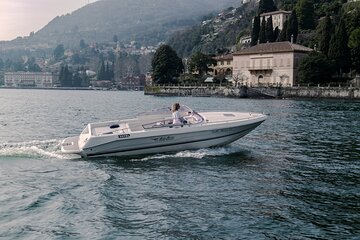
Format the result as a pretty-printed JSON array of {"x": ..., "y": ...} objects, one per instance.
[
  {"x": 46, "y": 149},
  {"x": 197, "y": 154}
]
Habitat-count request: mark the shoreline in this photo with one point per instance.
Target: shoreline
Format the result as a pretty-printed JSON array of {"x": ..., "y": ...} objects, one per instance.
[{"x": 347, "y": 93}]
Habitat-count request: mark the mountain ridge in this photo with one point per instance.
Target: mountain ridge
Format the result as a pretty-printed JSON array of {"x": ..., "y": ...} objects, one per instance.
[{"x": 145, "y": 21}]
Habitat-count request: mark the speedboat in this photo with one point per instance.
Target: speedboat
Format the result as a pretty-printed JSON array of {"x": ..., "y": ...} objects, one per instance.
[{"x": 154, "y": 132}]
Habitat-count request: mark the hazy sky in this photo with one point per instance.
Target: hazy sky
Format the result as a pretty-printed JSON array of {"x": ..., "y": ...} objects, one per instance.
[{"x": 20, "y": 17}]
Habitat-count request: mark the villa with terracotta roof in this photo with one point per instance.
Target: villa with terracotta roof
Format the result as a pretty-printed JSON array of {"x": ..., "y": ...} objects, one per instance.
[
  {"x": 224, "y": 65},
  {"x": 274, "y": 63}
]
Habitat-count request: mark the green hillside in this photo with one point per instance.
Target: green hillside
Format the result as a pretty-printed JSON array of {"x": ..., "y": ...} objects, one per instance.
[{"x": 224, "y": 30}]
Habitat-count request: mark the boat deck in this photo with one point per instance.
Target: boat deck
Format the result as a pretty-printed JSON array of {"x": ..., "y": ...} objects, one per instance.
[
  {"x": 216, "y": 117},
  {"x": 121, "y": 128}
]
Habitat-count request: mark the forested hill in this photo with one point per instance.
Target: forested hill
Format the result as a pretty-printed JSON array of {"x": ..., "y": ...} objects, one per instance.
[
  {"x": 223, "y": 31},
  {"x": 214, "y": 33},
  {"x": 147, "y": 21}
]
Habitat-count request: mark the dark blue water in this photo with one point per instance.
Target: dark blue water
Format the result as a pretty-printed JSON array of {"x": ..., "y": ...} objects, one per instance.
[{"x": 297, "y": 176}]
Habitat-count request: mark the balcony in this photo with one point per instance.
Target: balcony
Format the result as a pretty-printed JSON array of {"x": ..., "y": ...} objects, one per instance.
[{"x": 257, "y": 68}]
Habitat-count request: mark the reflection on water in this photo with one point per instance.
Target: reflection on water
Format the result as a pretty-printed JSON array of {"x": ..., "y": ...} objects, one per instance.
[{"x": 295, "y": 177}]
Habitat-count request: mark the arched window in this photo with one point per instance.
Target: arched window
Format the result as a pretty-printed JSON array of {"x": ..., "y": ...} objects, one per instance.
[{"x": 228, "y": 71}]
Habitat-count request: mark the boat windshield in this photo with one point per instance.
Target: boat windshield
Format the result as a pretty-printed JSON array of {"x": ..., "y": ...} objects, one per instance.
[
  {"x": 188, "y": 116},
  {"x": 167, "y": 110}
]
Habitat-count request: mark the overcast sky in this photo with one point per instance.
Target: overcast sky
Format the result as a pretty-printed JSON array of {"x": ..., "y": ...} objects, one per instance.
[{"x": 20, "y": 17}]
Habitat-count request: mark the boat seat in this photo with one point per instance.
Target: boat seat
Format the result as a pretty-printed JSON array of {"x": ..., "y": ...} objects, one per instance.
[{"x": 135, "y": 126}]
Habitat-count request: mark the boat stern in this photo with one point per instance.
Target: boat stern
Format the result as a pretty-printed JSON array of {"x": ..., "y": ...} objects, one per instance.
[{"x": 70, "y": 145}]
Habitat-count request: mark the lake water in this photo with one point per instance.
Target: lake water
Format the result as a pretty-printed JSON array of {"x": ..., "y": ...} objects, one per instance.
[{"x": 297, "y": 176}]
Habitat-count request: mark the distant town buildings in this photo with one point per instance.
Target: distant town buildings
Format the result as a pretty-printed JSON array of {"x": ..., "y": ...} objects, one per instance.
[
  {"x": 30, "y": 79},
  {"x": 269, "y": 64},
  {"x": 248, "y": 1}
]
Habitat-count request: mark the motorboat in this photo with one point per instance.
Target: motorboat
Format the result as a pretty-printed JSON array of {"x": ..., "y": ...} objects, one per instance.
[{"x": 154, "y": 132}]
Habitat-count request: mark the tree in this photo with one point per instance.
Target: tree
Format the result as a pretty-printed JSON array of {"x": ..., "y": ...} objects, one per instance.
[
  {"x": 115, "y": 38},
  {"x": 59, "y": 51},
  {"x": 101, "y": 73},
  {"x": 324, "y": 35},
  {"x": 292, "y": 28},
  {"x": 315, "y": 68},
  {"x": 255, "y": 30},
  {"x": 339, "y": 50},
  {"x": 306, "y": 14},
  {"x": 1, "y": 64},
  {"x": 32, "y": 66},
  {"x": 166, "y": 65},
  {"x": 354, "y": 38},
  {"x": 354, "y": 44},
  {"x": 239, "y": 79},
  {"x": 266, "y": 6},
  {"x": 109, "y": 72},
  {"x": 262, "y": 34},
  {"x": 282, "y": 35},
  {"x": 200, "y": 62},
  {"x": 65, "y": 77},
  {"x": 269, "y": 31},
  {"x": 82, "y": 44},
  {"x": 276, "y": 33}
]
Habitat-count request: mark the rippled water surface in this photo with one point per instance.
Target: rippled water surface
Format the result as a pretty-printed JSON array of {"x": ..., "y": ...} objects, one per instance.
[{"x": 297, "y": 176}]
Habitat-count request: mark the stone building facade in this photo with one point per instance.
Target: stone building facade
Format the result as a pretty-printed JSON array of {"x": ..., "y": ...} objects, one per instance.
[
  {"x": 224, "y": 65},
  {"x": 278, "y": 18},
  {"x": 269, "y": 64},
  {"x": 30, "y": 79}
]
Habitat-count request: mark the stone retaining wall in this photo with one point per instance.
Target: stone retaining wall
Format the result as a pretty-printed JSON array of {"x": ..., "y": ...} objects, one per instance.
[{"x": 255, "y": 92}]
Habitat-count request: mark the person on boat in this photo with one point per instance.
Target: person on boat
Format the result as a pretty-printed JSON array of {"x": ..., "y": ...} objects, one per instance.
[{"x": 175, "y": 114}]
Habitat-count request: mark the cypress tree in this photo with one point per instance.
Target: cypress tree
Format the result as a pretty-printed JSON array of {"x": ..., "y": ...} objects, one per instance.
[
  {"x": 306, "y": 14},
  {"x": 101, "y": 73},
  {"x": 276, "y": 33},
  {"x": 262, "y": 34},
  {"x": 255, "y": 30},
  {"x": 65, "y": 77},
  {"x": 82, "y": 44},
  {"x": 339, "y": 50},
  {"x": 269, "y": 31},
  {"x": 1, "y": 64},
  {"x": 325, "y": 33},
  {"x": 282, "y": 35},
  {"x": 107, "y": 77},
  {"x": 292, "y": 28}
]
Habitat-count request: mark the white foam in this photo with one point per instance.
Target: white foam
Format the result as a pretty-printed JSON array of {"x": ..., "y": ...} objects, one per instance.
[
  {"x": 197, "y": 154},
  {"x": 46, "y": 148}
]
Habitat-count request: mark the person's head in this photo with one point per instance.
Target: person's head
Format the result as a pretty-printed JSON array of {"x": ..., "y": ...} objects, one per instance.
[{"x": 175, "y": 107}]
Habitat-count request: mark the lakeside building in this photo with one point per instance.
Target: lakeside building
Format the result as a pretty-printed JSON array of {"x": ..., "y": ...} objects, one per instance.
[
  {"x": 224, "y": 65},
  {"x": 274, "y": 63},
  {"x": 278, "y": 18},
  {"x": 30, "y": 79},
  {"x": 245, "y": 40}
]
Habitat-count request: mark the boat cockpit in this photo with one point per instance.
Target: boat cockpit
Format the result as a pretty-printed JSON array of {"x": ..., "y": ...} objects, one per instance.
[{"x": 162, "y": 118}]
